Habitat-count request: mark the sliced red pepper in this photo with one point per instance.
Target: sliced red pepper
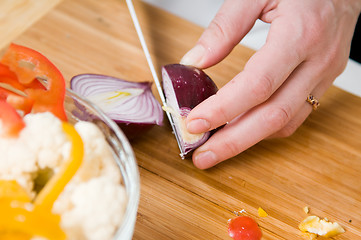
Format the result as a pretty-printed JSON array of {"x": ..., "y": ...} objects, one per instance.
[
  {"x": 18, "y": 100},
  {"x": 29, "y": 65},
  {"x": 6, "y": 73},
  {"x": 8, "y": 77},
  {"x": 11, "y": 122},
  {"x": 22, "y": 73}
]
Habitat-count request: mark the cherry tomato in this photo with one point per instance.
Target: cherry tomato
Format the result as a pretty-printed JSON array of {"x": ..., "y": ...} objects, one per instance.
[{"x": 244, "y": 228}]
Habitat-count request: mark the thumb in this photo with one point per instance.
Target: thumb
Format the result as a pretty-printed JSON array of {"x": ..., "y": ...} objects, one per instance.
[{"x": 232, "y": 22}]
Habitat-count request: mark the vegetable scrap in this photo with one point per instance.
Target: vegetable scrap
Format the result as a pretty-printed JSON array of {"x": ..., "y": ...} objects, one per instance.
[
  {"x": 320, "y": 227},
  {"x": 262, "y": 213},
  {"x": 239, "y": 212},
  {"x": 306, "y": 210}
]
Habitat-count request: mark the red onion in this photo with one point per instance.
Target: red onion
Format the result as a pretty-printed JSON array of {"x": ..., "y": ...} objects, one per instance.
[
  {"x": 184, "y": 88},
  {"x": 131, "y": 105}
]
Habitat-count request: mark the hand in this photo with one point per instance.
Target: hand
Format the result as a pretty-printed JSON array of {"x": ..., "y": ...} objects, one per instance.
[{"x": 306, "y": 49}]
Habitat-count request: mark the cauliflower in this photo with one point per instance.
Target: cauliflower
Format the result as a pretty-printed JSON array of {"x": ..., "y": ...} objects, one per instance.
[
  {"x": 98, "y": 159},
  {"x": 41, "y": 144},
  {"x": 94, "y": 193},
  {"x": 93, "y": 202},
  {"x": 91, "y": 210}
]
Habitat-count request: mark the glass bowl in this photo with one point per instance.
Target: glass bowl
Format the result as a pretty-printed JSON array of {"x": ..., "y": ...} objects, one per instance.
[{"x": 78, "y": 108}]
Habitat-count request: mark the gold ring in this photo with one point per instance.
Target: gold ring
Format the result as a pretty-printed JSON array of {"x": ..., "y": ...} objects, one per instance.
[{"x": 313, "y": 101}]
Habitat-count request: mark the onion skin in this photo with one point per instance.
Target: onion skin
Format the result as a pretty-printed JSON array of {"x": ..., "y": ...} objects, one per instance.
[
  {"x": 185, "y": 87},
  {"x": 192, "y": 85},
  {"x": 135, "y": 112}
]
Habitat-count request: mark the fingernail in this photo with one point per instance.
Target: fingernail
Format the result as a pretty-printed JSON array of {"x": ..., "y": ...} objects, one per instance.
[
  {"x": 194, "y": 56},
  {"x": 198, "y": 126},
  {"x": 205, "y": 160}
]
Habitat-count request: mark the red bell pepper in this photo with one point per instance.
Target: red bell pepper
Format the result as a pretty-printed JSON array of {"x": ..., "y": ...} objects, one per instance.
[
  {"x": 37, "y": 85},
  {"x": 11, "y": 122},
  {"x": 8, "y": 77},
  {"x": 18, "y": 100},
  {"x": 29, "y": 65}
]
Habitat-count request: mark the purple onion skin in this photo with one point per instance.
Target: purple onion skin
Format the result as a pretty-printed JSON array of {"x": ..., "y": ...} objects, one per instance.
[{"x": 191, "y": 85}]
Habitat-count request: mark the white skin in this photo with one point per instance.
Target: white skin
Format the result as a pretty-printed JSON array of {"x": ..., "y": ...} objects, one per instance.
[{"x": 306, "y": 49}]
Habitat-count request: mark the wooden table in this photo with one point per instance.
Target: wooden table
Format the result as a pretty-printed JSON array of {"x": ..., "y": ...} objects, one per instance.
[{"x": 319, "y": 166}]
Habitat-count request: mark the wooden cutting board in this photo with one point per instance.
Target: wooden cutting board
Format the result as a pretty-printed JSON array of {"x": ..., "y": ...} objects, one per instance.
[{"x": 319, "y": 166}]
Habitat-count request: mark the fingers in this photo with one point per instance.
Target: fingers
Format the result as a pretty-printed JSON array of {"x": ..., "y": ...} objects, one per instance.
[
  {"x": 294, "y": 123},
  {"x": 303, "y": 113},
  {"x": 264, "y": 120},
  {"x": 234, "y": 19},
  {"x": 263, "y": 74},
  {"x": 302, "y": 55}
]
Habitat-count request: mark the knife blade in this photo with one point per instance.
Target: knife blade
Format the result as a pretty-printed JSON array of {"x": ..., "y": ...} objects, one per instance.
[{"x": 153, "y": 71}]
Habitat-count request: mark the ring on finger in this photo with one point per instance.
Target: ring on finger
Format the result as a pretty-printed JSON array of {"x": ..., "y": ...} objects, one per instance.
[{"x": 313, "y": 101}]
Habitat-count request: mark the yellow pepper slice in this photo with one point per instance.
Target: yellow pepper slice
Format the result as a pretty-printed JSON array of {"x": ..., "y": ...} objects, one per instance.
[
  {"x": 57, "y": 183},
  {"x": 23, "y": 221},
  {"x": 10, "y": 189}
]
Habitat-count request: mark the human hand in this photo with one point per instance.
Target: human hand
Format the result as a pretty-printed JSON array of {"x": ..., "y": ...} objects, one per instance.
[{"x": 306, "y": 49}]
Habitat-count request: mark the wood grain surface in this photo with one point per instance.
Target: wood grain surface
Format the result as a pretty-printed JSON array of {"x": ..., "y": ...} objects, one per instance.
[
  {"x": 18, "y": 15},
  {"x": 319, "y": 166}
]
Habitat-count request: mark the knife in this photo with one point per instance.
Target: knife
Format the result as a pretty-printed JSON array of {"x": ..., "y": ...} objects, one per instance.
[{"x": 154, "y": 73}]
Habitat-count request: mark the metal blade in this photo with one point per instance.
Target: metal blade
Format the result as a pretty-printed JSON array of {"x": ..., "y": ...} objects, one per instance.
[{"x": 154, "y": 73}]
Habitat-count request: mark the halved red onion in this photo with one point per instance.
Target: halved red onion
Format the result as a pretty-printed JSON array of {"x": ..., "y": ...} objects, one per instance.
[
  {"x": 184, "y": 88},
  {"x": 131, "y": 105}
]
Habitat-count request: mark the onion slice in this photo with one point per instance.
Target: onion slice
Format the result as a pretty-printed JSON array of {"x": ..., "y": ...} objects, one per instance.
[
  {"x": 184, "y": 88},
  {"x": 131, "y": 105}
]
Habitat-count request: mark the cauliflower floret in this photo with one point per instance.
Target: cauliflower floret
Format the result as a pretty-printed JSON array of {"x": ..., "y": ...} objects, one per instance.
[
  {"x": 92, "y": 204},
  {"x": 42, "y": 143},
  {"x": 87, "y": 203},
  {"x": 95, "y": 209},
  {"x": 46, "y": 137},
  {"x": 98, "y": 158}
]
